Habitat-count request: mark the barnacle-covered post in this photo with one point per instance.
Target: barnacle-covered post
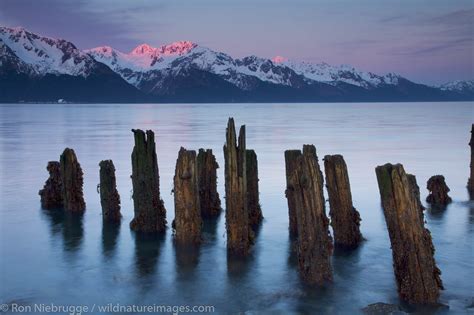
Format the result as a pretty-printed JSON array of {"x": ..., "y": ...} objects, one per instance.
[
  {"x": 418, "y": 277},
  {"x": 253, "y": 199},
  {"x": 109, "y": 196},
  {"x": 72, "y": 182},
  {"x": 314, "y": 243},
  {"x": 291, "y": 158},
  {"x": 237, "y": 217},
  {"x": 415, "y": 190},
  {"x": 51, "y": 194},
  {"x": 345, "y": 219},
  {"x": 207, "y": 166},
  {"x": 188, "y": 221},
  {"x": 150, "y": 212}
]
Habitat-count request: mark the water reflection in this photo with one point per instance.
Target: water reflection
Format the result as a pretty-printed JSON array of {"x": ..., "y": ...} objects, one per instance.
[
  {"x": 209, "y": 229},
  {"x": 187, "y": 258},
  {"x": 147, "y": 251},
  {"x": 110, "y": 233},
  {"x": 436, "y": 213},
  {"x": 69, "y": 225},
  {"x": 239, "y": 267},
  {"x": 292, "y": 260},
  {"x": 345, "y": 262},
  {"x": 375, "y": 134}
]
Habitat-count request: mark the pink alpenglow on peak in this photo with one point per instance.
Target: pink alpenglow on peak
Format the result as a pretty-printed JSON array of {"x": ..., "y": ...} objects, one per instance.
[
  {"x": 177, "y": 48},
  {"x": 279, "y": 59},
  {"x": 143, "y": 49}
]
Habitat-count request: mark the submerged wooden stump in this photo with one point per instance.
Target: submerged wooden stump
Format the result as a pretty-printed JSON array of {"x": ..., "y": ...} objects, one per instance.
[
  {"x": 345, "y": 219},
  {"x": 470, "y": 182},
  {"x": 253, "y": 199},
  {"x": 109, "y": 196},
  {"x": 438, "y": 189},
  {"x": 237, "y": 217},
  {"x": 291, "y": 158},
  {"x": 51, "y": 194},
  {"x": 207, "y": 166},
  {"x": 418, "y": 277},
  {"x": 150, "y": 212},
  {"x": 72, "y": 182},
  {"x": 314, "y": 243},
  {"x": 188, "y": 221}
]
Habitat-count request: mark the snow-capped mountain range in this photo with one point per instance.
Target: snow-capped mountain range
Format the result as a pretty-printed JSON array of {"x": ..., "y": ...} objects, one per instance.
[
  {"x": 186, "y": 71},
  {"x": 42, "y": 55},
  {"x": 143, "y": 61}
]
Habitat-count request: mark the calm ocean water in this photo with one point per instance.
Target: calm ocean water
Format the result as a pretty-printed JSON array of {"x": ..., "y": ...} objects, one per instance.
[{"x": 50, "y": 258}]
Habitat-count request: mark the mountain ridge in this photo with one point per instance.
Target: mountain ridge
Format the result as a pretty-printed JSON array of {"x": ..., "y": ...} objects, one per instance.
[{"x": 185, "y": 71}]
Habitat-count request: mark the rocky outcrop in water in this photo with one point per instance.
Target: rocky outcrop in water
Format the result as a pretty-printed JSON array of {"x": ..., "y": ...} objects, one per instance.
[
  {"x": 418, "y": 277},
  {"x": 109, "y": 196},
  {"x": 72, "y": 182},
  {"x": 150, "y": 212},
  {"x": 314, "y": 243},
  {"x": 188, "y": 221},
  {"x": 51, "y": 194},
  {"x": 438, "y": 189},
  {"x": 345, "y": 219},
  {"x": 207, "y": 166}
]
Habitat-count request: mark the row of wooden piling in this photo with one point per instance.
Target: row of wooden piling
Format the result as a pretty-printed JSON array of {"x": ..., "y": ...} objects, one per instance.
[{"x": 196, "y": 199}]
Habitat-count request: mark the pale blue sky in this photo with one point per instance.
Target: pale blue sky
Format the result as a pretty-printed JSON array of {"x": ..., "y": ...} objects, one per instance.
[{"x": 426, "y": 41}]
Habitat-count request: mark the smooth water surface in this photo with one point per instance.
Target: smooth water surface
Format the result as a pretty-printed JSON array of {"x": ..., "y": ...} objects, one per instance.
[{"x": 47, "y": 257}]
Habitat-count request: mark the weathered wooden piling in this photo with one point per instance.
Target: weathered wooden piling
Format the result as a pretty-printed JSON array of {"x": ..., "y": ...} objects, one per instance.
[
  {"x": 109, "y": 196},
  {"x": 51, "y": 194},
  {"x": 418, "y": 277},
  {"x": 415, "y": 190},
  {"x": 314, "y": 243},
  {"x": 72, "y": 182},
  {"x": 237, "y": 217},
  {"x": 253, "y": 199},
  {"x": 470, "y": 182},
  {"x": 150, "y": 212},
  {"x": 438, "y": 189},
  {"x": 345, "y": 219},
  {"x": 291, "y": 158},
  {"x": 207, "y": 166},
  {"x": 188, "y": 221}
]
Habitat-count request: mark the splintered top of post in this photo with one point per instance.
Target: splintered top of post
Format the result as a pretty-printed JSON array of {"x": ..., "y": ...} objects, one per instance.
[
  {"x": 336, "y": 158},
  {"x": 183, "y": 151},
  {"x": 231, "y": 135},
  {"x": 384, "y": 176},
  {"x": 150, "y": 135},
  {"x": 69, "y": 153},
  {"x": 52, "y": 165},
  {"x": 207, "y": 151},
  {"x": 242, "y": 137},
  {"x": 292, "y": 153},
  {"x": 309, "y": 149},
  {"x": 107, "y": 164}
]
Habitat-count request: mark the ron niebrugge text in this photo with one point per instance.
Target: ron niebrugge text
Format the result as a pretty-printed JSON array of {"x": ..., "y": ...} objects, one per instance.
[{"x": 105, "y": 308}]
